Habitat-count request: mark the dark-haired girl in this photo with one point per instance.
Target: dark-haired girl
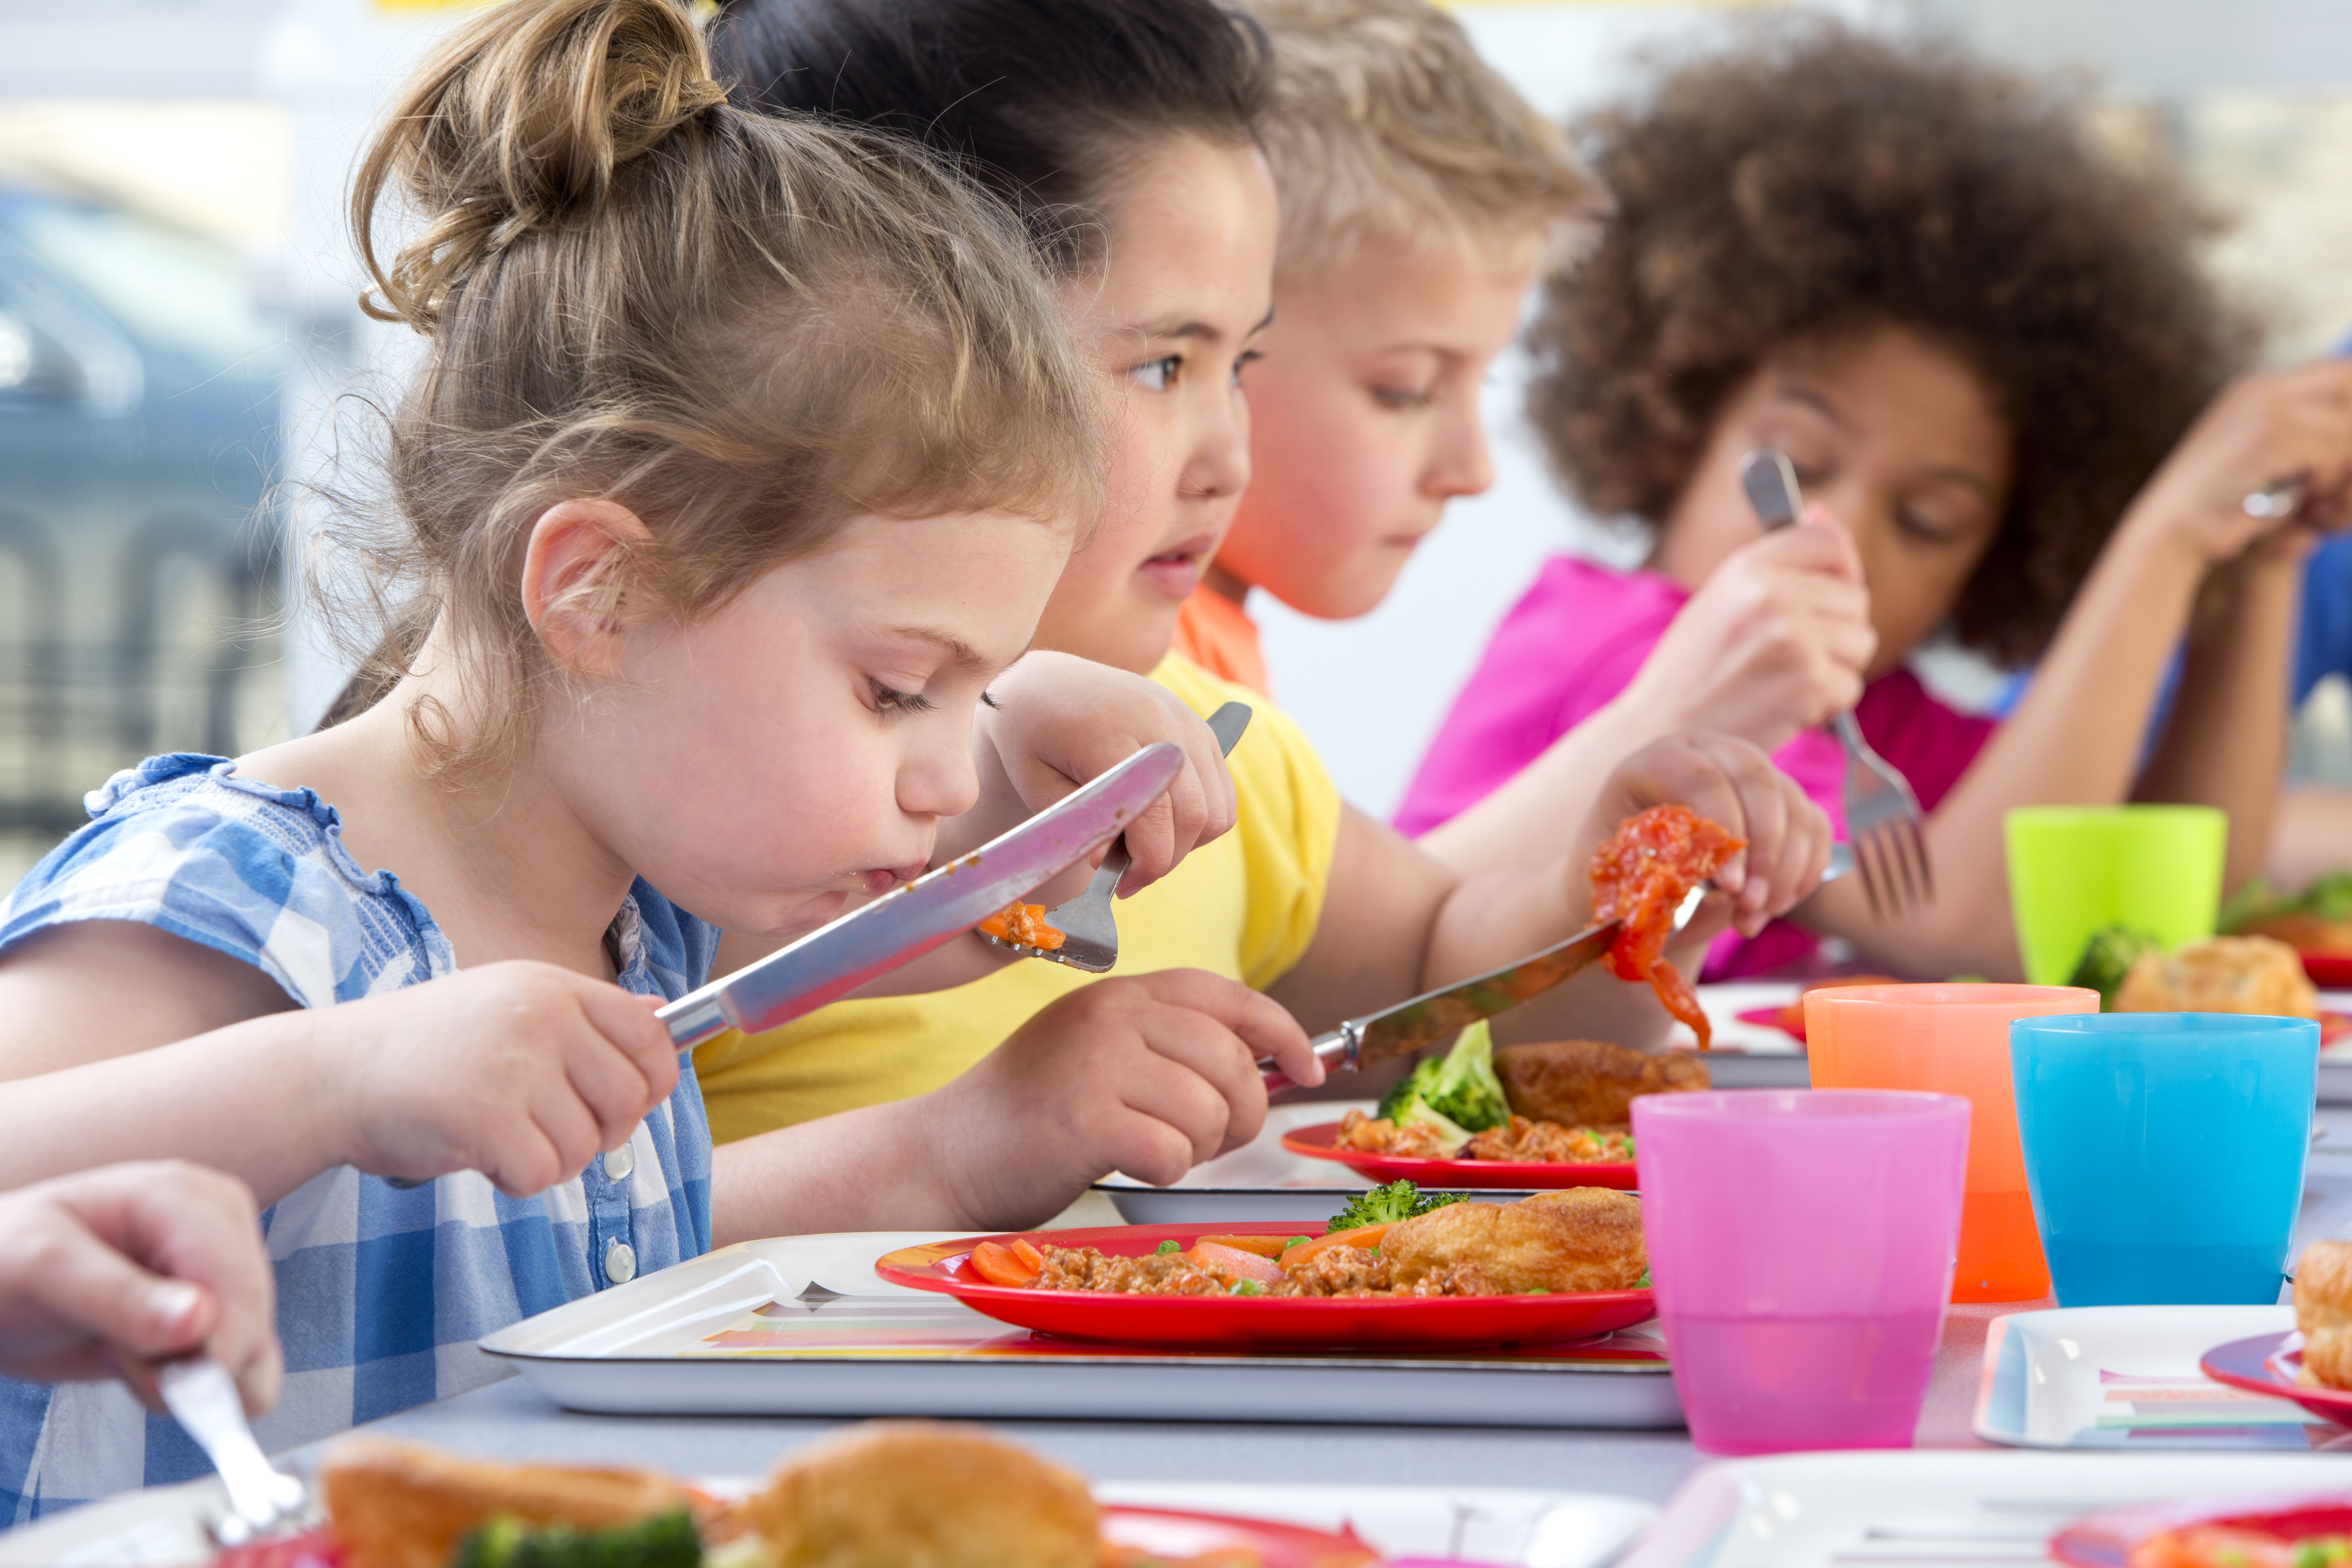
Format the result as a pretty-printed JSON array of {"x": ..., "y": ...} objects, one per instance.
[
  {"x": 1122, "y": 132},
  {"x": 1985, "y": 346}
]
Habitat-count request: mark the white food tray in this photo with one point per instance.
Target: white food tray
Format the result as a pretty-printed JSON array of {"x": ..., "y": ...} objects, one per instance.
[
  {"x": 1951, "y": 1510},
  {"x": 2126, "y": 1377},
  {"x": 1511, "y": 1526},
  {"x": 809, "y": 1329}
]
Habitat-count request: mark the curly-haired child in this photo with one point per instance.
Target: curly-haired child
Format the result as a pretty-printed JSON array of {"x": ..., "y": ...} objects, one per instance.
[{"x": 1985, "y": 343}]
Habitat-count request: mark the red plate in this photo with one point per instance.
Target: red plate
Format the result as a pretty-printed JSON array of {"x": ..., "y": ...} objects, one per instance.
[
  {"x": 1769, "y": 1019},
  {"x": 2268, "y": 1364},
  {"x": 1315, "y": 1142},
  {"x": 2333, "y": 970},
  {"x": 1245, "y": 1322},
  {"x": 2107, "y": 1540},
  {"x": 1166, "y": 1536}
]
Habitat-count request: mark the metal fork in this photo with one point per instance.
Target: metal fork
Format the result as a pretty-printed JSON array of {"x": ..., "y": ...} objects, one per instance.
[
  {"x": 1882, "y": 815},
  {"x": 261, "y": 1498},
  {"x": 1089, "y": 931}
]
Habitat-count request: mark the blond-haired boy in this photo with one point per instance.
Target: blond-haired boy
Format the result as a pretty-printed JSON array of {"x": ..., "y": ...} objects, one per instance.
[{"x": 1420, "y": 194}]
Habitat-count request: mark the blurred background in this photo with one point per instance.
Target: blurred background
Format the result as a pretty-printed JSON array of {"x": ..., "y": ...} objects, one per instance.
[{"x": 181, "y": 359}]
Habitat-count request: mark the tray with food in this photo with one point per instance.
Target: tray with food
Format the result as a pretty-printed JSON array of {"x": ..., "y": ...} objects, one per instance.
[
  {"x": 402, "y": 1504},
  {"x": 804, "y": 1326},
  {"x": 2129, "y": 1378},
  {"x": 2307, "y": 1362},
  {"x": 1544, "y": 1115},
  {"x": 1551, "y": 1268},
  {"x": 901, "y": 1492},
  {"x": 2310, "y": 1529},
  {"x": 1830, "y": 1511}
]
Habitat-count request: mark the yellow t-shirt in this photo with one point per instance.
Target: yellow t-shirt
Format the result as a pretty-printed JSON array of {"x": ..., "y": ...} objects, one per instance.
[{"x": 1244, "y": 907}]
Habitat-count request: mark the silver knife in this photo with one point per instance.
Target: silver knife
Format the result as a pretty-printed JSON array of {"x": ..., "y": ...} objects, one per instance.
[
  {"x": 909, "y": 921},
  {"x": 1435, "y": 1015}
]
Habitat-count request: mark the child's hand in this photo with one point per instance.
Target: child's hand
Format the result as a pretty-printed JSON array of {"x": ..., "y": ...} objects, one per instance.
[
  {"x": 1775, "y": 642},
  {"x": 2263, "y": 430},
  {"x": 522, "y": 1071},
  {"x": 1149, "y": 1076},
  {"x": 1735, "y": 785},
  {"x": 114, "y": 1269},
  {"x": 1061, "y": 721}
]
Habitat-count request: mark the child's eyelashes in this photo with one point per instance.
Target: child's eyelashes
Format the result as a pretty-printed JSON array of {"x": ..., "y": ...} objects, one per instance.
[
  {"x": 1157, "y": 375},
  {"x": 890, "y": 699},
  {"x": 1404, "y": 399},
  {"x": 1244, "y": 361}
]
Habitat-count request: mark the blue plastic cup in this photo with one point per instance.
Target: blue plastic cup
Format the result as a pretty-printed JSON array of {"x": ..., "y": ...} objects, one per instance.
[{"x": 2165, "y": 1151}]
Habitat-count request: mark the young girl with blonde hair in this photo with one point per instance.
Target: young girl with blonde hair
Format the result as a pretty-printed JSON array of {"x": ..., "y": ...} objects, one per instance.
[{"x": 743, "y": 458}]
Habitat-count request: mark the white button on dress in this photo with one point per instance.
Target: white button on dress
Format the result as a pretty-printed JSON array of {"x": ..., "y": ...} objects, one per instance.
[
  {"x": 620, "y": 1262},
  {"x": 619, "y": 1163}
]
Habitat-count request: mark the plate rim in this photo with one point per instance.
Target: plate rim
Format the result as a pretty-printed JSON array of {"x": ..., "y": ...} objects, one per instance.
[
  {"x": 2328, "y": 1403},
  {"x": 2118, "y": 1529},
  {"x": 1626, "y": 1168}
]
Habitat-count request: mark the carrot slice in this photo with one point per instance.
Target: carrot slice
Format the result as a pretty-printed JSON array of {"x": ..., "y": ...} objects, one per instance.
[
  {"x": 1230, "y": 1263},
  {"x": 1264, "y": 1245},
  {"x": 1362, "y": 1235},
  {"x": 1002, "y": 1265}
]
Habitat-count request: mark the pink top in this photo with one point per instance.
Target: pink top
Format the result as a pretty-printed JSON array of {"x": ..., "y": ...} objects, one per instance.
[{"x": 1575, "y": 641}]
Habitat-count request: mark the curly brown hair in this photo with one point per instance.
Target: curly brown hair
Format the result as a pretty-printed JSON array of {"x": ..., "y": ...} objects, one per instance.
[{"x": 1816, "y": 181}]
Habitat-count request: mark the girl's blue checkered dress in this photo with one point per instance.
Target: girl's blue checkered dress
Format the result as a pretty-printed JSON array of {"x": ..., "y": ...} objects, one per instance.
[{"x": 381, "y": 1293}]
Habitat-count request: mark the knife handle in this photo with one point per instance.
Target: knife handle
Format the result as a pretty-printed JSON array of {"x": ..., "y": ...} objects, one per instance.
[{"x": 1336, "y": 1050}]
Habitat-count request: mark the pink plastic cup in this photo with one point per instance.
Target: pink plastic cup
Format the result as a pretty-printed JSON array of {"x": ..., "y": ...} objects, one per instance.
[{"x": 1801, "y": 1243}]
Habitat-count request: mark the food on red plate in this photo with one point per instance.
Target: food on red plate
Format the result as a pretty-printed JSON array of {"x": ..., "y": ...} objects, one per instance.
[
  {"x": 1792, "y": 1017},
  {"x": 883, "y": 1495},
  {"x": 402, "y": 1505},
  {"x": 1641, "y": 876},
  {"x": 2221, "y": 974},
  {"x": 1550, "y": 1142},
  {"x": 1582, "y": 1240},
  {"x": 2236, "y": 1546},
  {"x": 2322, "y": 1312},
  {"x": 918, "y": 1492},
  {"x": 1023, "y": 924},
  {"x": 2318, "y": 919},
  {"x": 1590, "y": 1083},
  {"x": 1518, "y": 1139}
]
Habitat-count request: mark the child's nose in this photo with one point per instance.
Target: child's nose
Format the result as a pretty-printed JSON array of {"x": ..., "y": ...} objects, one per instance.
[
  {"x": 938, "y": 778},
  {"x": 1464, "y": 464},
  {"x": 1221, "y": 460}
]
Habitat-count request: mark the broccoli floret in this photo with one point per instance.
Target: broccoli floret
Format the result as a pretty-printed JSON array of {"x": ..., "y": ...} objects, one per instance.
[
  {"x": 2330, "y": 898},
  {"x": 1467, "y": 1091},
  {"x": 1457, "y": 1094},
  {"x": 666, "y": 1541},
  {"x": 2108, "y": 956},
  {"x": 1387, "y": 1205}
]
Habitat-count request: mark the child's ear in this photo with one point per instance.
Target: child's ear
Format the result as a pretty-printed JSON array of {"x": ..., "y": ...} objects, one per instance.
[{"x": 579, "y": 568}]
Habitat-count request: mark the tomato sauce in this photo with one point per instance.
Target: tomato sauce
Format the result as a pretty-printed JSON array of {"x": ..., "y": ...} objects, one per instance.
[
  {"x": 1025, "y": 924},
  {"x": 1641, "y": 876}
]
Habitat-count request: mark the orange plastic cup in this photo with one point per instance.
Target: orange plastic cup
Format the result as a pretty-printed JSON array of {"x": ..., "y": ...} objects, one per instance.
[{"x": 1952, "y": 1039}]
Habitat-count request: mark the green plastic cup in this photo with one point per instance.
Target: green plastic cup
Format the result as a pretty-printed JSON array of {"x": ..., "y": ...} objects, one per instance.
[{"x": 2073, "y": 868}]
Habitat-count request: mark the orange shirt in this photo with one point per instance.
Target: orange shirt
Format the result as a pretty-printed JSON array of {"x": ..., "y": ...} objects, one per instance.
[{"x": 1218, "y": 635}]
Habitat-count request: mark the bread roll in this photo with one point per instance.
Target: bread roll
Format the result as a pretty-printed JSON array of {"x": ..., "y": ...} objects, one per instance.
[
  {"x": 402, "y": 1505},
  {"x": 1589, "y": 1083},
  {"x": 2221, "y": 974},
  {"x": 2323, "y": 1311},
  {"x": 917, "y": 1494},
  {"x": 1583, "y": 1239}
]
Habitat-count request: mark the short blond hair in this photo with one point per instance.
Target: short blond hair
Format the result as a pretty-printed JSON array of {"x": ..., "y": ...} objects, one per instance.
[{"x": 1385, "y": 123}]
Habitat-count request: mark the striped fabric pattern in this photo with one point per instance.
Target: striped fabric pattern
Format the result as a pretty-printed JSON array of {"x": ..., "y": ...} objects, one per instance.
[{"x": 381, "y": 1293}]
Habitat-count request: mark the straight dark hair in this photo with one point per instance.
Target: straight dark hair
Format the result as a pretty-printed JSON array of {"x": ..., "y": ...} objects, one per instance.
[{"x": 1043, "y": 102}]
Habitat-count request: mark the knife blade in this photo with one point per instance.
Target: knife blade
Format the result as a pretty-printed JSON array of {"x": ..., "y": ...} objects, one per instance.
[{"x": 907, "y": 923}]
